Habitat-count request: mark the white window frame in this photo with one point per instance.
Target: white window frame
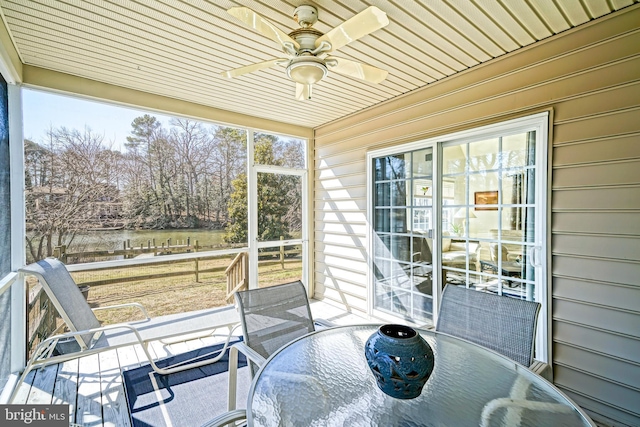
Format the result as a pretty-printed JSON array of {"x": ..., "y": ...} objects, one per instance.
[
  {"x": 18, "y": 229},
  {"x": 13, "y": 280},
  {"x": 540, "y": 254}
]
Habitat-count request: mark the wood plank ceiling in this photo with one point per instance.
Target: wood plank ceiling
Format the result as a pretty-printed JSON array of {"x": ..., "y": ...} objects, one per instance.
[{"x": 177, "y": 48}]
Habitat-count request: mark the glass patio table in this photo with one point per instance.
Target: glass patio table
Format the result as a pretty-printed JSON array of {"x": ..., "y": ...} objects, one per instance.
[{"x": 323, "y": 379}]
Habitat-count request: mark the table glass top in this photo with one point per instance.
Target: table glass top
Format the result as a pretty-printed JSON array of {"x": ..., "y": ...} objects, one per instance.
[{"x": 324, "y": 380}]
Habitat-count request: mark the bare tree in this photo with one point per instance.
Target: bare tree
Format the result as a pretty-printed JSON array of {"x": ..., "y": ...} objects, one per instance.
[
  {"x": 75, "y": 181},
  {"x": 192, "y": 145}
]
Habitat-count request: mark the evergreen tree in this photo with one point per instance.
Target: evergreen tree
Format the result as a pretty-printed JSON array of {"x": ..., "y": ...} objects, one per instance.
[{"x": 277, "y": 195}]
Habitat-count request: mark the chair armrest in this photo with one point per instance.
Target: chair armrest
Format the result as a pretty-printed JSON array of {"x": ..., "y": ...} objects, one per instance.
[
  {"x": 250, "y": 353},
  {"x": 226, "y": 418},
  {"x": 130, "y": 304},
  {"x": 323, "y": 323}
]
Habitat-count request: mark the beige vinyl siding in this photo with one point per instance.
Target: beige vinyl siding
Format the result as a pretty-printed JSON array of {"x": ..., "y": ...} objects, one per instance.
[
  {"x": 589, "y": 79},
  {"x": 596, "y": 251}
]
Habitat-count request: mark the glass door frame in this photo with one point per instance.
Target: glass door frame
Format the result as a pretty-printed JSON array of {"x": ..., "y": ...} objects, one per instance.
[
  {"x": 540, "y": 254},
  {"x": 435, "y": 190}
]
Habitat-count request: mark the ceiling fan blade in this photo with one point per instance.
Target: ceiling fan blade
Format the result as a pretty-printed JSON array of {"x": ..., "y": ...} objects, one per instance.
[
  {"x": 356, "y": 69},
  {"x": 260, "y": 24},
  {"x": 251, "y": 68},
  {"x": 303, "y": 92},
  {"x": 365, "y": 22}
]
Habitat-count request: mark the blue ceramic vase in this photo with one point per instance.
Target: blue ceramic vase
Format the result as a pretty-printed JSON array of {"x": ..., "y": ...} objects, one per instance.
[{"x": 400, "y": 359}]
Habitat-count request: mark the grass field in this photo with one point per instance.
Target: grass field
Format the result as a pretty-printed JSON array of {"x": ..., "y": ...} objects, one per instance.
[
  {"x": 177, "y": 294},
  {"x": 170, "y": 293}
]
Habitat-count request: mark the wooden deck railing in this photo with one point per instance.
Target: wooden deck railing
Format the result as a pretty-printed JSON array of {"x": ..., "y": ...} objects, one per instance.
[
  {"x": 237, "y": 275},
  {"x": 42, "y": 318}
]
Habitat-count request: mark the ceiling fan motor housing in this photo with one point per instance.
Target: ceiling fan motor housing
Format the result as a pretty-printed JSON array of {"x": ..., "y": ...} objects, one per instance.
[{"x": 306, "y": 38}]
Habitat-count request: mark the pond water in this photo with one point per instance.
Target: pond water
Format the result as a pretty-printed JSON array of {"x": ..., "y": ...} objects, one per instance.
[{"x": 113, "y": 239}]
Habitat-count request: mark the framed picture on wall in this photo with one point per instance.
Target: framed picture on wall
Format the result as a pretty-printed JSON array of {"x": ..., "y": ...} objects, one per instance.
[{"x": 485, "y": 198}]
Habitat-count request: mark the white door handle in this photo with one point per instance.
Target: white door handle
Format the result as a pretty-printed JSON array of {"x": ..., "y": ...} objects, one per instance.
[{"x": 532, "y": 255}]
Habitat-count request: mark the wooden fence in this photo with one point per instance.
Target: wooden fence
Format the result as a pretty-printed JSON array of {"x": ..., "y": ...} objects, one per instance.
[
  {"x": 128, "y": 251},
  {"x": 278, "y": 255},
  {"x": 43, "y": 318}
]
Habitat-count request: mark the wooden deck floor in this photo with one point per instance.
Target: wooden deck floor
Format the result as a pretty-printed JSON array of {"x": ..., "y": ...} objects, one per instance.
[{"x": 93, "y": 385}]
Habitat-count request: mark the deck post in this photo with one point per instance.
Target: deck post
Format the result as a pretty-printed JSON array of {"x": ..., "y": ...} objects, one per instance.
[
  {"x": 282, "y": 252},
  {"x": 60, "y": 252}
]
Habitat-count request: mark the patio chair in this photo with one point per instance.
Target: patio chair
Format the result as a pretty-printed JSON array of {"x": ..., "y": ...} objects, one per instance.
[
  {"x": 502, "y": 324},
  {"x": 92, "y": 338},
  {"x": 271, "y": 317},
  {"x": 228, "y": 419}
]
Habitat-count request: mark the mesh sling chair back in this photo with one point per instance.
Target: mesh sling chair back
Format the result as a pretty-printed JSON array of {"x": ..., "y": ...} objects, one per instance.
[
  {"x": 91, "y": 337},
  {"x": 271, "y": 317},
  {"x": 502, "y": 324},
  {"x": 506, "y": 326}
]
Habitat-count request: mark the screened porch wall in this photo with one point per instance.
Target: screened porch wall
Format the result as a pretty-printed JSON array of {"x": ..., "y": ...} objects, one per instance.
[{"x": 589, "y": 79}]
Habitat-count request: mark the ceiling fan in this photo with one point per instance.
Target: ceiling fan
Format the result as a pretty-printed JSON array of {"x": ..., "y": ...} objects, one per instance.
[{"x": 307, "y": 49}]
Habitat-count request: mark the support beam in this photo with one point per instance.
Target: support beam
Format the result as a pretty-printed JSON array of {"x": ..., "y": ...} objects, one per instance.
[{"x": 98, "y": 91}]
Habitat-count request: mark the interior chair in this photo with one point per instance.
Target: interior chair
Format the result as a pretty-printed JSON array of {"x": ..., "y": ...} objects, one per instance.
[
  {"x": 496, "y": 252},
  {"x": 91, "y": 337},
  {"x": 503, "y": 255},
  {"x": 502, "y": 324},
  {"x": 270, "y": 317}
]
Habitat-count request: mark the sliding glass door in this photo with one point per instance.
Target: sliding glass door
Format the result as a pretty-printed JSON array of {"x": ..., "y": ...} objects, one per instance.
[
  {"x": 468, "y": 209},
  {"x": 403, "y": 223},
  {"x": 489, "y": 223}
]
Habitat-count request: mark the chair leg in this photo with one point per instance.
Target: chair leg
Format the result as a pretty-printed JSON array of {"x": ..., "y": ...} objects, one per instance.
[
  {"x": 233, "y": 377},
  {"x": 19, "y": 383},
  {"x": 44, "y": 348}
]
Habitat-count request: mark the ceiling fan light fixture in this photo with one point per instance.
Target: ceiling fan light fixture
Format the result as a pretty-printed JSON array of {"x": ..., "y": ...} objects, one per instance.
[{"x": 306, "y": 71}]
